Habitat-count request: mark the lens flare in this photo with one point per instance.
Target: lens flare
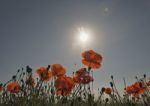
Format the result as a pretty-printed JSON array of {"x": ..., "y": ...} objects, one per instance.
[{"x": 83, "y": 35}]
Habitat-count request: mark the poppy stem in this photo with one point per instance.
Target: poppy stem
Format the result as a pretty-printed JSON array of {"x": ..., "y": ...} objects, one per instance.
[
  {"x": 92, "y": 81},
  {"x": 116, "y": 90}
]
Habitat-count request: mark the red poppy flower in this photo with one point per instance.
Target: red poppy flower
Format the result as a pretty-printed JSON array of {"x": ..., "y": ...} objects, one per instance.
[
  {"x": 140, "y": 88},
  {"x": 92, "y": 59},
  {"x": 58, "y": 70},
  {"x": 136, "y": 89},
  {"x": 13, "y": 87},
  {"x": 130, "y": 89},
  {"x": 44, "y": 74},
  {"x": 108, "y": 91},
  {"x": 64, "y": 85}
]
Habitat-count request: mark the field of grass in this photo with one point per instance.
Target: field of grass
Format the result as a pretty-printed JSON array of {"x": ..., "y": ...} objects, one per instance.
[{"x": 52, "y": 87}]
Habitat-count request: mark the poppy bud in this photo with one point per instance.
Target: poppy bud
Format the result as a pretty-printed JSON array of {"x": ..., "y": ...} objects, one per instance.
[
  {"x": 23, "y": 73},
  {"x": 111, "y": 84},
  {"x": 103, "y": 90},
  {"x": 14, "y": 77},
  {"x": 136, "y": 77},
  {"x": 28, "y": 69},
  {"x": 106, "y": 100},
  {"x": 22, "y": 80},
  {"x": 112, "y": 77},
  {"x": 89, "y": 88},
  {"x": 18, "y": 70},
  {"x": 144, "y": 75},
  {"x": 48, "y": 67}
]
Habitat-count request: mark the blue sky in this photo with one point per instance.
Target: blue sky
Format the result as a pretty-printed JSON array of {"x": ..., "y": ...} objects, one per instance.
[{"x": 42, "y": 32}]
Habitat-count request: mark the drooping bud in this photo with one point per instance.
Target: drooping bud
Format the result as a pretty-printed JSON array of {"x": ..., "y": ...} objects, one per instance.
[
  {"x": 103, "y": 90},
  {"x": 112, "y": 77},
  {"x": 144, "y": 75},
  {"x": 111, "y": 84},
  {"x": 28, "y": 69}
]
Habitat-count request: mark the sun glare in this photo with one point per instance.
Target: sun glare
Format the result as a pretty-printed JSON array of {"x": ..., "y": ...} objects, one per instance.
[{"x": 83, "y": 35}]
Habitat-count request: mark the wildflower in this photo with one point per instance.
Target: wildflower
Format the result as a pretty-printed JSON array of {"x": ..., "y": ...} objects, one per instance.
[
  {"x": 64, "y": 85},
  {"x": 130, "y": 89},
  {"x": 58, "y": 70},
  {"x": 136, "y": 89},
  {"x": 92, "y": 59},
  {"x": 13, "y": 87},
  {"x": 44, "y": 73},
  {"x": 108, "y": 91}
]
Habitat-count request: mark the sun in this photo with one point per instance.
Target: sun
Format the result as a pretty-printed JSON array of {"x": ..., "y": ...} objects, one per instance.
[{"x": 83, "y": 35}]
